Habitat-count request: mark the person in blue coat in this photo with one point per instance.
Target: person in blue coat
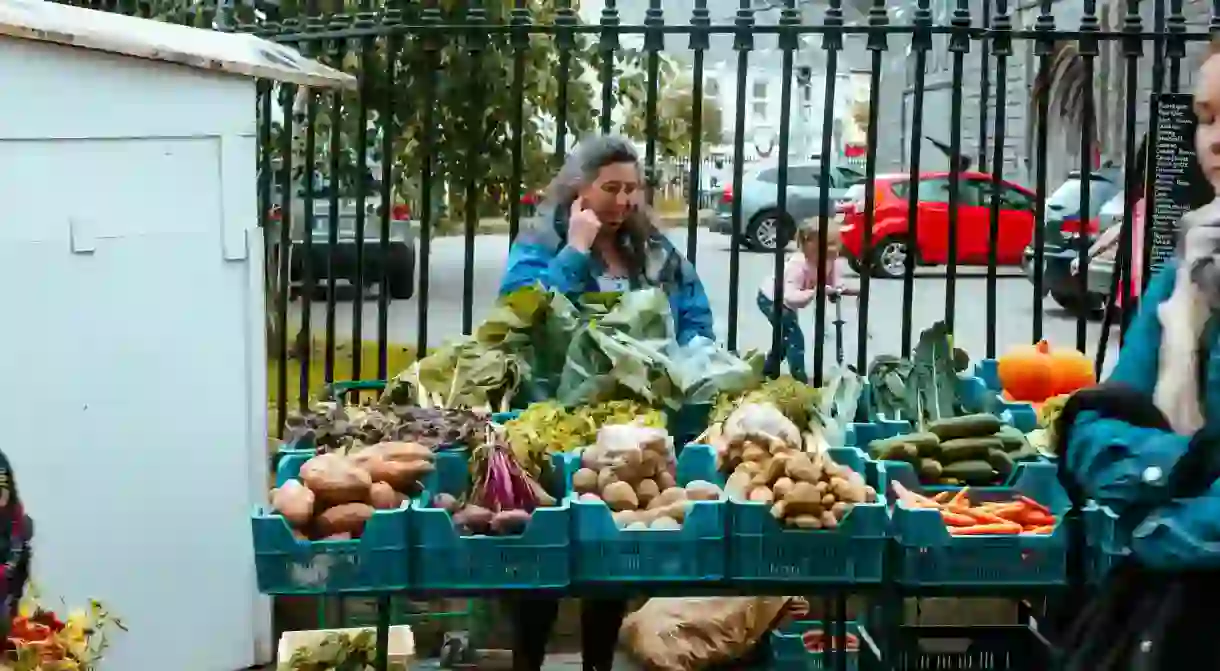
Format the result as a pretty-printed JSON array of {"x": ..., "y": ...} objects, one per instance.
[
  {"x": 593, "y": 233},
  {"x": 1165, "y": 389}
]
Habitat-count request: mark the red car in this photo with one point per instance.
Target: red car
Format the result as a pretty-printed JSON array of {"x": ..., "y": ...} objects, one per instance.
[{"x": 891, "y": 236}]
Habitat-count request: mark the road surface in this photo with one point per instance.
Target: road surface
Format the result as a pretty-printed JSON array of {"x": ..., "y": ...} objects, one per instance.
[{"x": 1014, "y": 297}]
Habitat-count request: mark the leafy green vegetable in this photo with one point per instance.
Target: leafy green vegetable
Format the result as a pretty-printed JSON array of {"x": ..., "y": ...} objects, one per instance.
[
  {"x": 888, "y": 382},
  {"x": 836, "y": 407},
  {"x": 796, "y": 400},
  {"x": 933, "y": 377},
  {"x": 548, "y": 427}
]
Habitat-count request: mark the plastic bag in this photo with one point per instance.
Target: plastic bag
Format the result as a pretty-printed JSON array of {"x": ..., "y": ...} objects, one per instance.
[
  {"x": 627, "y": 445},
  {"x": 697, "y": 633},
  {"x": 761, "y": 420}
]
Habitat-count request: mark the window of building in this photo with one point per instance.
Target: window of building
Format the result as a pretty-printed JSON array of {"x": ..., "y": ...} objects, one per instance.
[
  {"x": 760, "y": 109},
  {"x": 760, "y": 89}
]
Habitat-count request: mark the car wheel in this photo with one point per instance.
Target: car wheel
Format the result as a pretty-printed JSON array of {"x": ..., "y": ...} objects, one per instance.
[
  {"x": 1091, "y": 306},
  {"x": 889, "y": 258},
  {"x": 402, "y": 284},
  {"x": 855, "y": 265},
  {"x": 769, "y": 230}
]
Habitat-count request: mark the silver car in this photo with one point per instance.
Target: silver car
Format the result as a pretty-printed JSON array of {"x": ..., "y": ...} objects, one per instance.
[{"x": 764, "y": 226}]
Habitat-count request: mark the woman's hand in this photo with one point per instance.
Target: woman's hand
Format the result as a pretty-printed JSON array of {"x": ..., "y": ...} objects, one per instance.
[{"x": 583, "y": 227}]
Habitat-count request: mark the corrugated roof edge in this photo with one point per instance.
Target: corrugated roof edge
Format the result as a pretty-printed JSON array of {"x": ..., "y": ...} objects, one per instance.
[{"x": 233, "y": 53}]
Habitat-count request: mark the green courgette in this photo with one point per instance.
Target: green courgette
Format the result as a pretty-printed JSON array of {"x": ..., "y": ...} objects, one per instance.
[
  {"x": 966, "y": 426},
  {"x": 1001, "y": 462},
  {"x": 1027, "y": 453},
  {"x": 973, "y": 472},
  {"x": 965, "y": 449},
  {"x": 1012, "y": 437},
  {"x": 926, "y": 444},
  {"x": 897, "y": 452},
  {"x": 930, "y": 471}
]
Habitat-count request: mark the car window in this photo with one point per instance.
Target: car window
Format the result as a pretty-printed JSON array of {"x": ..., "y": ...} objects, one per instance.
[
  {"x": 1010, "y": 198},
  {"x": 1113, "y": 207},
  {"x": 933, "y": 190},
  {"x": 770, "y": 176},
  {"x": 1065, "y": 201},
  {"x": 804, "y": 176}
]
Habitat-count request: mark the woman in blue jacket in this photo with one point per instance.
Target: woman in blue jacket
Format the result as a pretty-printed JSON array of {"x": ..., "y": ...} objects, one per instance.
[
  {"x": 1166, "y": 388},
  {"x": 594, "y": 234}
]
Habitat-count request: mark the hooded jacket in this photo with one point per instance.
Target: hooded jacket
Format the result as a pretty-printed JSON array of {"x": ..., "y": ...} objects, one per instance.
[
  {"x": 541, "y": 254},
  {"x": 1126, "y": 466}
]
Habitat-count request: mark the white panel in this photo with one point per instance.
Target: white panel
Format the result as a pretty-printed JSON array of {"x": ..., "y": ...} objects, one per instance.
[{"x": 130, "y": 393}]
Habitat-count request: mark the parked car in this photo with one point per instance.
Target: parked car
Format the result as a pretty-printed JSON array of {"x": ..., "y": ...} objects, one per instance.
[
  {"x": 764, "y": 226},
  {"x": 398, "y": 258},
  {"x": 891, "y": 235},
  {"x": 1061, "y": 237}
]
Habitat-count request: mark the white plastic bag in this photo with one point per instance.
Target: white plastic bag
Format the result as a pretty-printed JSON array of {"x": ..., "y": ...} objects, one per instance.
[
  {"x": 760, "y": 420},
  {"x": 622, "y": 446}
]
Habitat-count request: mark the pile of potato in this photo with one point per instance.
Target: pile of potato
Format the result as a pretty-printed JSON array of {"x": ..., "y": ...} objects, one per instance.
[
  {"x": 334, "y": 495},
  {"x": 643, "y": 504},
  {"x": 807, "y": 490}
]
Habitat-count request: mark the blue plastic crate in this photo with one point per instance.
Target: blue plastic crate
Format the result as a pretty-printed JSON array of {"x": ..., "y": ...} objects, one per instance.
[
  {"x": 604, "y": 553},
  {"x": 976, "y": 396},
  {"x": 788, "y": 651},
  {"x": 686, "y": 423},
  {"x": 762, "y": 550},
  {"x": 977, "y": 648},
  {"x": 987, "y": 370},
  {"x": 284, "y": 564},
  {"x": 932, "y": 557},
  {"x": 443, "y": 559}
]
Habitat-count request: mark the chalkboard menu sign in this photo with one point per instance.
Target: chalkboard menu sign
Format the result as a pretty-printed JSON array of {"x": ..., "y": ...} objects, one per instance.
[{"x": 1174, "y": 171}]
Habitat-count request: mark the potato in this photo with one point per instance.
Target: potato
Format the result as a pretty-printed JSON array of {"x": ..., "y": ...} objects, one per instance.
[
  {"x": 605, "y": 478},
  {"x": 775, "y": 467},
  {"x": 383, "y": 496},
  {"x": 335, "y": 480},
  {"x": 702, "y": 490},
  {"x": 760, "y": 480},
  {"x": 665, "y": 480},
  {"x": 646, "y": 491},
  {"x": 624, "y": 518},
  {"x": 655, "y": 462},
  {"x": 636, "y": 526},
  {"x": 589, "y": 496},
  {"x": 750, "y": 467},
  {"x": 754, "y": 453},
  {"x": 803, "y": 500},
  {"x": 737, "y": 484},
  {"x": 762, "y": 494},
  {"x": 829, "y": 521},
  {"x": 676, "y": 511},
  {"x": 345, "y": 518},
  {"x": 782, "y": 486},
  {"x": 474, "y": 518},
  {"x": 839, "y": 510},
  {"x": 778, "y": 510},
  {"x": 338, "y": 537},
  {"x": 509, "y": 522},
  {"x": 402, "y": 451},
  {"x": 299, "y": 534},
  {"x": 620, "y": 496},
  {"x": 584, "y": 480},
  {"x": 665, "y": 523},
  {"x": 801, "y": 469},
  {"x": 807, "y": 521},
  {"x": 668, "y": 496},
  {"x": 294, "y": 501},
  {"x": 446, "y": 502}
]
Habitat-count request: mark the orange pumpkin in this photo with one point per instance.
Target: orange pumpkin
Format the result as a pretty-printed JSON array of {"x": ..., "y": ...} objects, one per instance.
[
  {"x": 1072, "y": 370},
  {"x": 1027, "y": 373}
]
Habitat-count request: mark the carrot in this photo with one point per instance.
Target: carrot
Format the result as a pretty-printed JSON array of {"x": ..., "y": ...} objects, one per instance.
[
  {"x": 961, "y": 498},
  {"x": 1013, "y": 512},
  {"x": 957, "y": 519},
  {"x": 942, "y": 497},
  {"x": 981, "y": 515},
  {"x": 1034, "y": 504},
  {"x": 1034, "y": 518},
  {"x": 1040, "y": 530},
  {"x": 986, "y": 529}
]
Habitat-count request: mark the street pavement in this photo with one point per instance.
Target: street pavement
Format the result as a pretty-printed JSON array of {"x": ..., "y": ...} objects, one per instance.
[{"x": 1014, "y": 299}]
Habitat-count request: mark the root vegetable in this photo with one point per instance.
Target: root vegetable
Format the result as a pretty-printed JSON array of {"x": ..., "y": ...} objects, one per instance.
[
  {"x": 665, "y": 523},
  {"x": 605, "y": 478},
  {"x": 665, "y": 480},
  {"x": 702, "y": 490},
  {"x": 668, "y": 496},
  {"x": 294, "y": 501},
  {"x": 335, "y": 480},
  {"x": 675, "y": 511},
  {"x": 646, "y": 491},
  {"x": 782, "y": 486},
  {"x": 624, "y": 518},
  {"x": 801, "y": 469},
  {"x": 776, "y": 467},
  {"x": 807, "y": 521},
  {"x": 803, "y": 500},
  {"x": 446, "y": 502},
  {"x": 509, "y": 522},
  {"x": 346, "y": 518},
  {"x": 778, "y": 510},
  {"x": 754, "y": 453},
  {"x": 383, "y": 496},
  {"x": 620, "y": 496},
  {"x": 338, "y": 537},
  {"x": 584, "y": 480},
  {"x": 738, "y": 483},
  {"x": 589, "y": 496},
  {"x": 761, "y": 495},
  {"x": 474, "y": 518},
  {"x": 636, "y": 526}
]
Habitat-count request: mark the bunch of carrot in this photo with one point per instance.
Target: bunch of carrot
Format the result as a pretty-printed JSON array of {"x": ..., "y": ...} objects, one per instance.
[
  {"x": 1021, "y": 515},
  {"x": 816, "y": 640}
]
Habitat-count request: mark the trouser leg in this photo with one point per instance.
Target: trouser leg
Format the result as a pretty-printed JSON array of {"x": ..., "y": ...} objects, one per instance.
[
  {"x": 794, "y": 345},
  {"x": 533, "y": 620},
  {"x": 600, "y": 621},
  {"x": 774, "y": 356}
]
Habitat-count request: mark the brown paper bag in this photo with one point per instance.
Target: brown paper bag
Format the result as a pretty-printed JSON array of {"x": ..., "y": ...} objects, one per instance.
[{"x": 692, "y": 634}]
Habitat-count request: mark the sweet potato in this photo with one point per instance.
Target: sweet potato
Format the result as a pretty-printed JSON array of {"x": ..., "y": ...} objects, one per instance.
[
  {"x": 346, "y": 518},
  {"x": 294, "y": 501},
  {"x": 668, "y": 496},
  {"x": 646, "y": 491},
  {"x": 584, "y": 481},
  {"x": 403, "y": 451},
  {"x": 665, "y": 480},
  {"x": 476, "y": 519},
  {"x": 620, "y": 496},
  {"x": 338, "y": 537},
  {"x": 676, "y": 511},
  {"x": 509, "y": 522},
  {"x": 446, "y": 502},
  {"x": 665, "y": 523},
  {"x": 384, "y": 497},
  {"x": 335, "y": 480}
]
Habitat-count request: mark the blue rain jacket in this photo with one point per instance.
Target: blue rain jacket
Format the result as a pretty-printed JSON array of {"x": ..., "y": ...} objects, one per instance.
[
  {"x": 541, "y": 254},
  {"x": 1125, "y": 467}
]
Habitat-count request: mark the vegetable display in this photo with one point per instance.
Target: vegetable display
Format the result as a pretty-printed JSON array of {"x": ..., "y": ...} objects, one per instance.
[
  {"x": 1022, "y": 515},
  {"x": 970, "y": 450},
  {"x": 923, "y": 388},
  {"x": 761, "y": 449},
  {"x": 332, "y": 426},
  {"x": 334, "y": 495},
  {"x": 547, "y": 428},
  {"x": 1034, "y": 373},
  {"x": 502, "y": 494},
  {"x": 1044, "y": 437}
]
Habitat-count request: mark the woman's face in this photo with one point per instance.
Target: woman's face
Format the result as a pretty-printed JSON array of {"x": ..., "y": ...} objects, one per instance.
[
  {"x": 1207, "y": 109},
  {"x": 613, "y": 194}
]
